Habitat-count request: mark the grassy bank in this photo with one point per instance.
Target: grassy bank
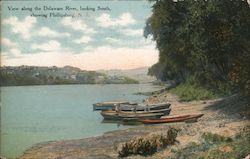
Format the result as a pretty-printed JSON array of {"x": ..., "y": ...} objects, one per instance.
[
  {"x": 216, "y": 146},
  {"x": 193, "y": 89},
  {"x": 188, "y": 92}
]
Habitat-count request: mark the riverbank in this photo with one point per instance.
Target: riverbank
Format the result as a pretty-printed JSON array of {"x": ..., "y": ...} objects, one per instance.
[
  {"x": 67, "y": 75},
  {"x": 224, "y": 116}
]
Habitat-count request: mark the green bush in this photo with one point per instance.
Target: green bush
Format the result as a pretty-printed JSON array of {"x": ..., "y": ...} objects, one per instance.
[
  {"x": 188, "y": 92},
  {"x": 215, "y": 138},
  {"x": 195, "y": 89},
  {"x": 148, "y": 145}
]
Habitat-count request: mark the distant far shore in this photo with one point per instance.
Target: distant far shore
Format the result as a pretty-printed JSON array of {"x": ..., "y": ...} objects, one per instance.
[{"x": 34, "y": 75}]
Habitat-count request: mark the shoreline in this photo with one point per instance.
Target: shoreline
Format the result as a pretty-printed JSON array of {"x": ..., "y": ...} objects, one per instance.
[
  {"x": 72, "y": 84},
  {"x": 221, "y": 116}
]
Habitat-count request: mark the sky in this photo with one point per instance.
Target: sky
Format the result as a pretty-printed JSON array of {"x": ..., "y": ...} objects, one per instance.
[{"x": 86, "y": 37}]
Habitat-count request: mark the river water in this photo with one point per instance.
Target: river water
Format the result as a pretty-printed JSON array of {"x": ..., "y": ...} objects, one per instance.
[{"x": 34, "y": 114}]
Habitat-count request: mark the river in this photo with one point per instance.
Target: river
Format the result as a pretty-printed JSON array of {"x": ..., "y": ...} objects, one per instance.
[{"x": 34, "y": 114}]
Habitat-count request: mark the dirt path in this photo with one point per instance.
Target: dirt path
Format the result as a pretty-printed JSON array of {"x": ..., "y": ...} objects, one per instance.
[{"x": 222, "y": 116}]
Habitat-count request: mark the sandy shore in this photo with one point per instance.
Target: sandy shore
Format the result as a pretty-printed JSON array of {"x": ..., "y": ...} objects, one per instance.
[{"x": 223, "y": 116}]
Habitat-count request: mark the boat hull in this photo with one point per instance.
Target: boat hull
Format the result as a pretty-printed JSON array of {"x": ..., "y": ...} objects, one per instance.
[
  {"x": 172, "y": 119},
  {"x": 143, "y": 107},
  {"x": 112, "y": 115},
  {"x": 164, "y": 111},
  {"x": 108, "y": 105}
]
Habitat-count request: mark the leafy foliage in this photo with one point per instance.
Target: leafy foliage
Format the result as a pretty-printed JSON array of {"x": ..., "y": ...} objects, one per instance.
[
  {"x": 215, "y": 138},
  {"x": 188, "y": 92},
  {"x": 148, "y": 145},
  {"x": 209, "y": 40}
]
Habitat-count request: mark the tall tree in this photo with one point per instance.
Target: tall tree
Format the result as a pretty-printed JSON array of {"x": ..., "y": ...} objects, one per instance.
[{"x": 206, "y": 39}]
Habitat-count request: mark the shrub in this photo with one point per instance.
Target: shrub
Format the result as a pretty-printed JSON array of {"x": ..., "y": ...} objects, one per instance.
[
  {"x": 188, "y": 92},
  {"x": 215, "y": 138},
  {"x": 149, "y": 144}
]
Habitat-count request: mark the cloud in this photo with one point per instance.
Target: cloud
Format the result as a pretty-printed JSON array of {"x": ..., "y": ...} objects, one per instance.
[
  {"x": 51, "y": 45},
  {"x": 15, "y": 52},
  {"x": 47, "y": 32},
  {"x": 83, "y": 39},
  {"x": 103, "y": 57},
  {"x": 106, "y": 57},
  {"x": 8, "y": 43},
  {"x": 132, "y": 32},
  {"x": 114, "y": 40},
  {"x": 132, "y": 43},
  {"x": 88, "y": 48},
  {"x": 106, "y": 21},
  {"x": 78, "y": 25},
  {"x": 24, "y": 28},
  {"x": 21, "y": 27}
]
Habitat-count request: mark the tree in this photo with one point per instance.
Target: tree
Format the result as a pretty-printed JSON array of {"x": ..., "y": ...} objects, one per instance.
[{"x": 206, "y": 39}]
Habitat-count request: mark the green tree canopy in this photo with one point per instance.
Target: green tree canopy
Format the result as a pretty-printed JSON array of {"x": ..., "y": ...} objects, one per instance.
[{"x": 206, "y": 39}]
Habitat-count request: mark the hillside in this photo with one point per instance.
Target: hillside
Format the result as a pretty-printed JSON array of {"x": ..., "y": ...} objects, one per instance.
[
  {"x": 34, "y": 75},
  {"x": 140, "y": 74}
]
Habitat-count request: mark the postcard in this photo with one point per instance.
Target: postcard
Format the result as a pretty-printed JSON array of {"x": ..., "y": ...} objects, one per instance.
[{"x": 113, "y": 79}]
